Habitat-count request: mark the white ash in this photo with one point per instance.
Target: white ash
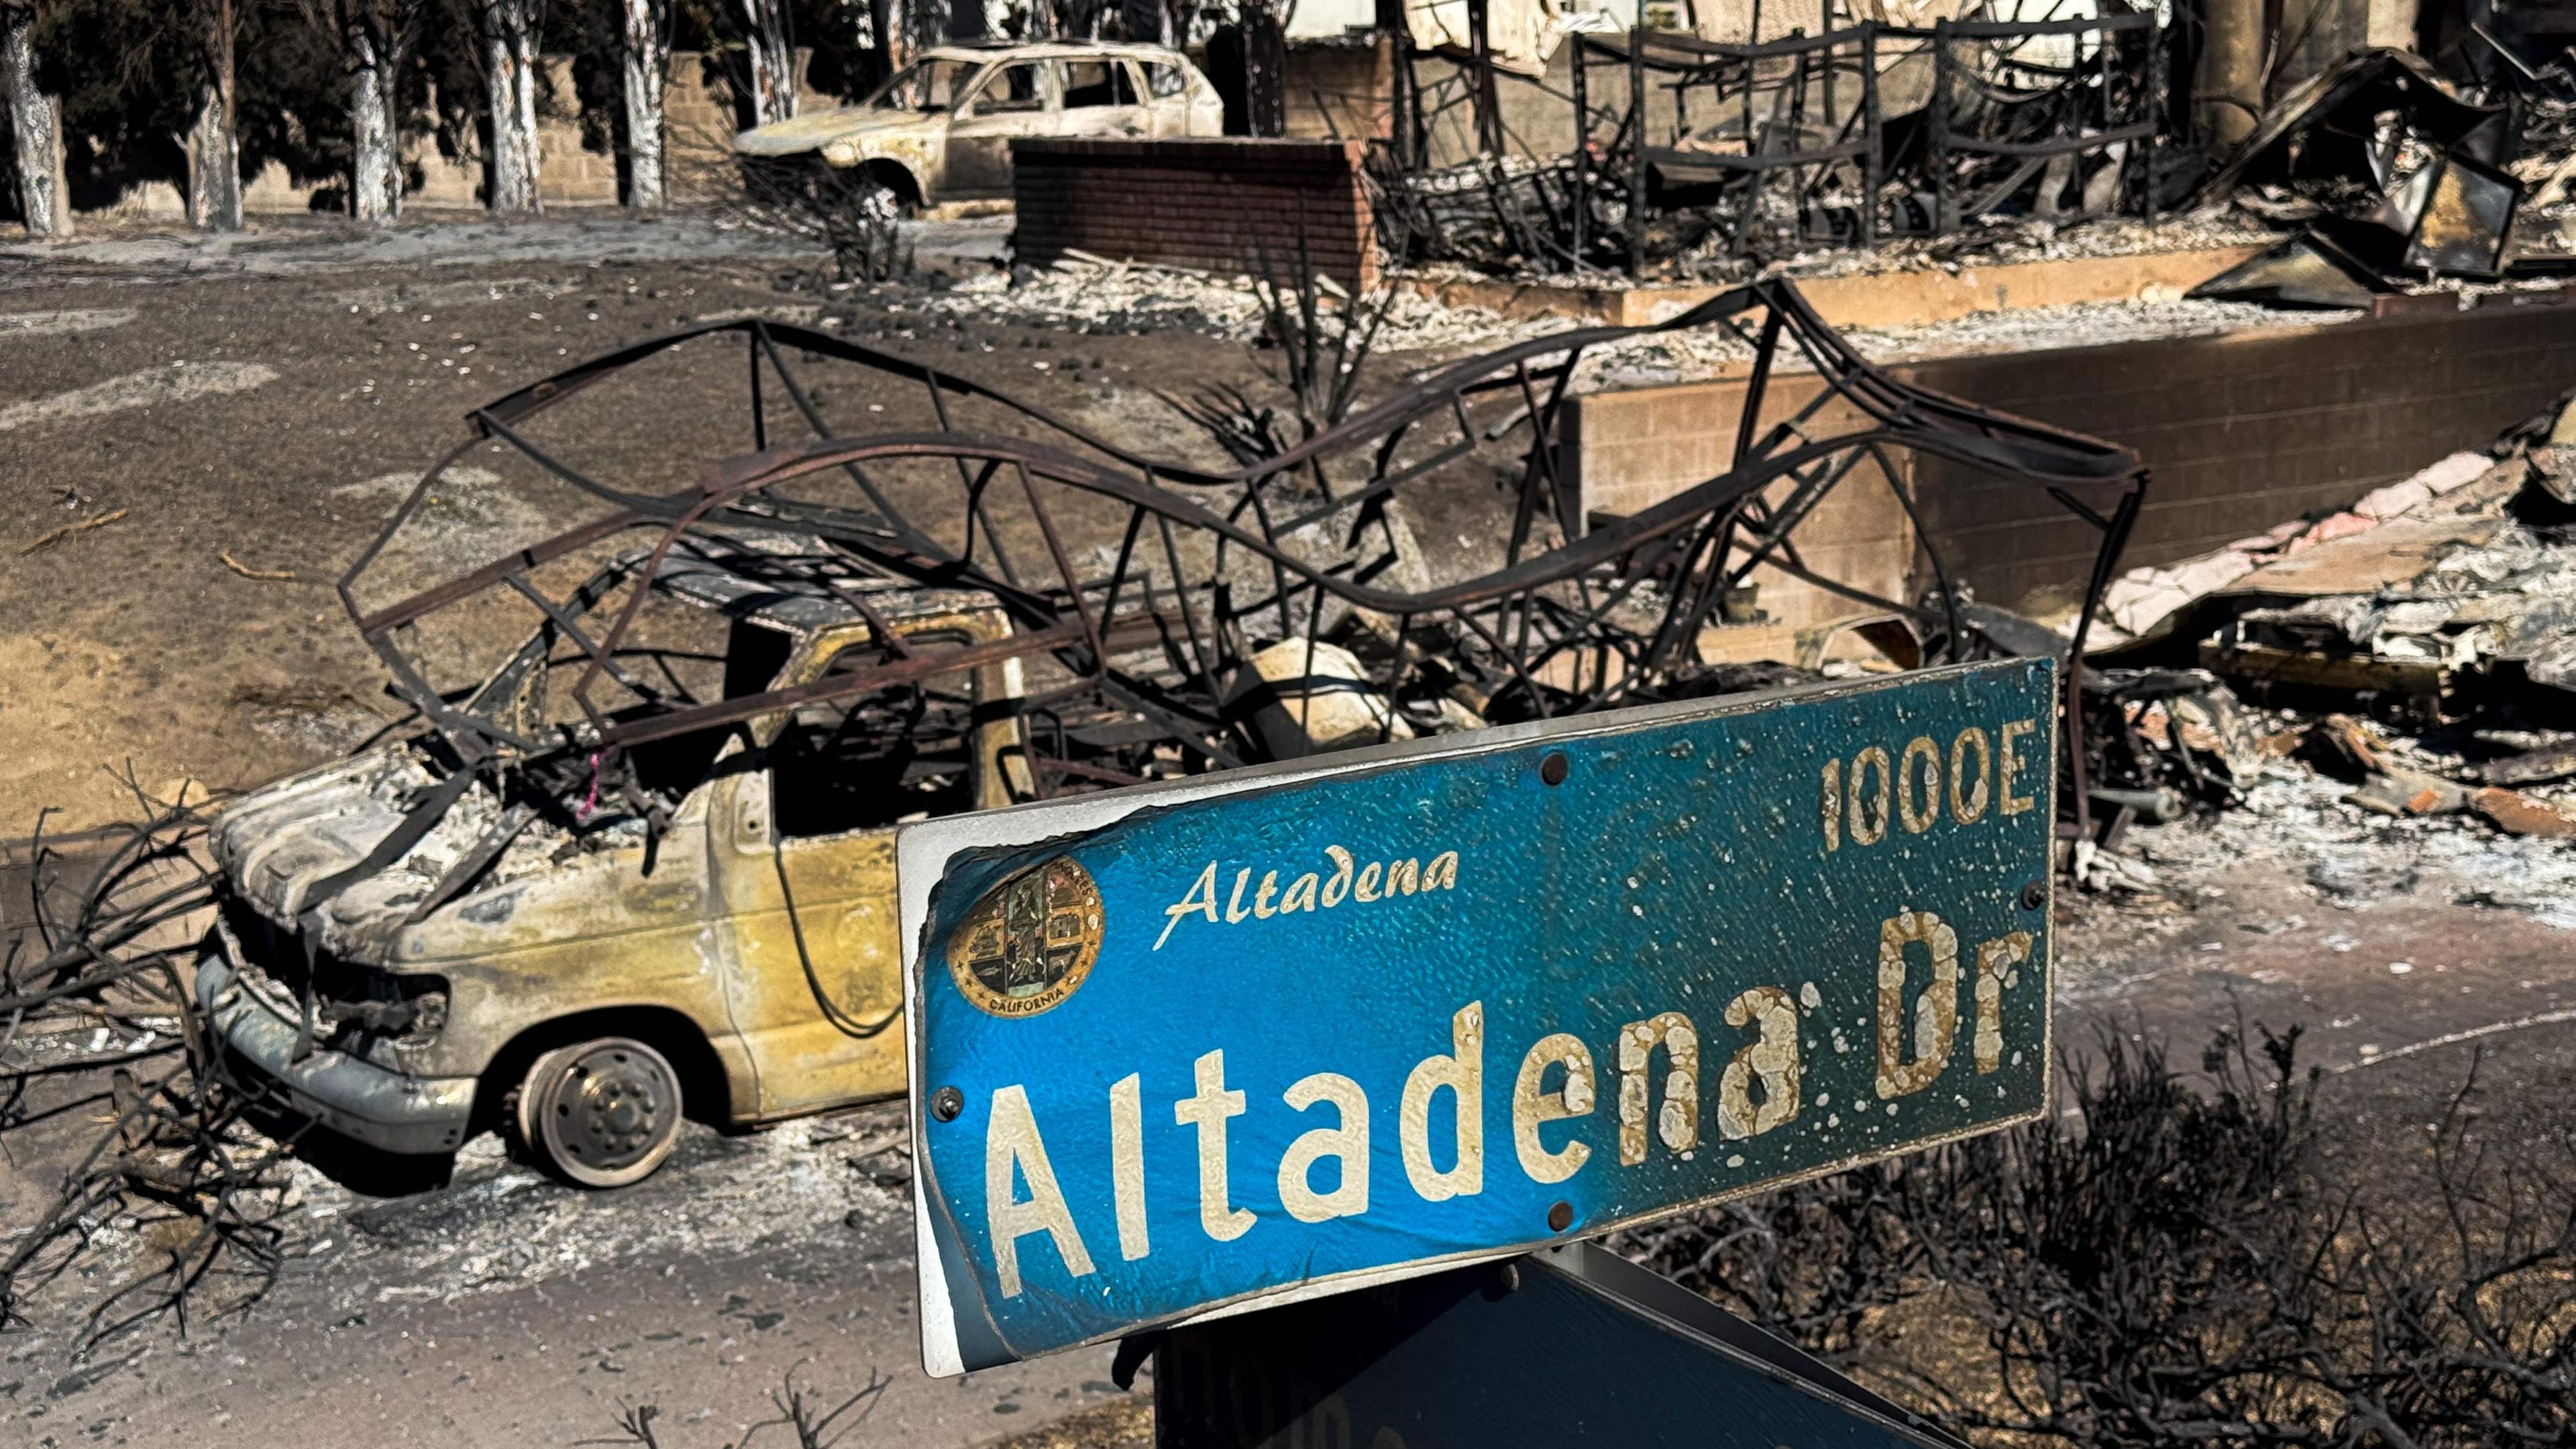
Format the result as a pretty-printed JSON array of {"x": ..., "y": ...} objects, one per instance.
[
  {"x": 500, "y": 1225},
  {"x": 2359, "y": 858},
  {"x": 2078, "y": 324},
  {"x": 2002, "y": 243},
  {"x": 1082, "y": 297}
]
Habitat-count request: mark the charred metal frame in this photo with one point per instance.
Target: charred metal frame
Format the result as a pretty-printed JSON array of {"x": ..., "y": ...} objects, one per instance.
[
  {"x": 1768, "y": 84},
  {"x": 1528, "y": 205},
  {"x": 1157, "y": 639},
  {"x": 1989, "y": 129},
  {"x": 2037, "y": 122}
]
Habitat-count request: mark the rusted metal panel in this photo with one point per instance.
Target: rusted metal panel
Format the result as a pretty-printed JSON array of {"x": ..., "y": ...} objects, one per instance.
[{"x": 1301, "y": 1029}]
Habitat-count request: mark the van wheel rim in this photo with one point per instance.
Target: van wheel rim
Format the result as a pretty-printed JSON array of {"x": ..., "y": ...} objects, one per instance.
[{"x": 613, "y": 1106}]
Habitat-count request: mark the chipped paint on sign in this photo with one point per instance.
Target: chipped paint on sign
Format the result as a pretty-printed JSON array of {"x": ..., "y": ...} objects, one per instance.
[{"x": 1546, "y": 980}]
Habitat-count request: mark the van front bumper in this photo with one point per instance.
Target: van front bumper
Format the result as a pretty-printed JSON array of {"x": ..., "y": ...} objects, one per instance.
[{"x": 356, "y": 1098}]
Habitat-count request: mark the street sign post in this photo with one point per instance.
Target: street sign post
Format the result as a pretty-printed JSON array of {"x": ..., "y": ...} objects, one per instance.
[
  {"x": 1300, "y": 1030},
  {"x": 1569, "y": 1345}
]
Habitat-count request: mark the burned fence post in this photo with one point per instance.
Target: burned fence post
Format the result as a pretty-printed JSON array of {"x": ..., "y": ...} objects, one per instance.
[
  {"x": 1397, "y": 39},
  {"x": 1487, "y": 106},
  {"x": 1581, "y": 81},
  {"x": 2151, "y": 153},
  {"x": 1941, "y": 214},
  {"x": 1417, "y": 131},
  {"x": 1873, "y": 135},
  {"x": 1265, "y": 70},
  {"x": 1637, "y": 151}
]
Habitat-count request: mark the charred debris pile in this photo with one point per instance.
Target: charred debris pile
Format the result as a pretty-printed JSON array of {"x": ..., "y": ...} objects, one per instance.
[
  {"x": 1997, "y": 134},
  {"x": 2419, "y": 645},
  {"x": 1152, "y": 616},
  {"x": 2395, "y": 180},
  {"x": 1709, "y": 159}
]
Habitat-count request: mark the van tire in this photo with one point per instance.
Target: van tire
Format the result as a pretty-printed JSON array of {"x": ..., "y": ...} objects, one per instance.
[{"x": 600, "y": 1113}]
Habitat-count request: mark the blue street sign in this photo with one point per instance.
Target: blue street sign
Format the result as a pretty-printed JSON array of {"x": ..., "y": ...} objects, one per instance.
[
  {"x": 1573, "y": 1345},
  {"x": 1296, "y": 1030}
]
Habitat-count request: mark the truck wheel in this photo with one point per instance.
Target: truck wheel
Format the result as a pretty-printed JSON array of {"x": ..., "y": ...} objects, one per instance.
[{"x": 600, "y": 1113}]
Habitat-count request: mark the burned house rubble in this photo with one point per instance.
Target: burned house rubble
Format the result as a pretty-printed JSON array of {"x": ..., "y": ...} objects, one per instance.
[
  {"x": 2414, "y": 647},
  {"x": 1704, "y": 158},
  {"x": 1725, "y": 145},
  {"x": 1701, "y": 157},
  {"x": 2394, "y": 177},
  {"x": 1148, "y": 598}
]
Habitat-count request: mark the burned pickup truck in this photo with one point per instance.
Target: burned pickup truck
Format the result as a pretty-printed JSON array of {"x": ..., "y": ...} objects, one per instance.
[
  {"x": 606, "y": 968},
  {"x": 636, "y": 861}
]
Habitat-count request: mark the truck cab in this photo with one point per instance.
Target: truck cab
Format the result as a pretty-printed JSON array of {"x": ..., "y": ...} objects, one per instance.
[{"x": 593, "y": 984}]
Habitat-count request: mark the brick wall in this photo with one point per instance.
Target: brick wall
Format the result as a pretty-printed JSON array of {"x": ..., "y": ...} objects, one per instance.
[
  {"x": 2240, "y": 431},
  {"x": 1219, "y": 204}
]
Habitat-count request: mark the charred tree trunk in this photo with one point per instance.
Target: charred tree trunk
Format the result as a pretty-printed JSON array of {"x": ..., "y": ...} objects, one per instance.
[
  {"x": 1265, "y": 69},
  {"x": 35, "y": 123},
  {"x": 772, "y": 45},
  {"x": 213, "y": 143},
  {"x": 1149, "y": 21},
  {"x": 890, "y": 24},
  {"x": 646, "y": 59},
  {"x": 375, "y": 180},
  {"x": 510, "y": 79},
  {"x": 376, "y": 35},
  {"x": 213, "y": 149},
  {"x": 906, "y": 28}
]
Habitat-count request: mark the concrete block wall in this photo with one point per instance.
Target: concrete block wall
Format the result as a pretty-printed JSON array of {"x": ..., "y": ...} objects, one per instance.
[
  {"x": 1217, "y": 204},
  {"x": 1341, "y": 91},
  {"x": 1635, "y": 449},
  {"x": 2239, "y": 431}
]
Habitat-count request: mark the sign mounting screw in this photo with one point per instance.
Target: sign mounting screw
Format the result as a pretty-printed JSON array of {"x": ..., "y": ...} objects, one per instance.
[
  {"x": 1560, "y": 1217},
  {"x": 946, "y": 1103},
  {"x": 1553, "y": 768},
  {"x": 2034, "y": 894}
]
